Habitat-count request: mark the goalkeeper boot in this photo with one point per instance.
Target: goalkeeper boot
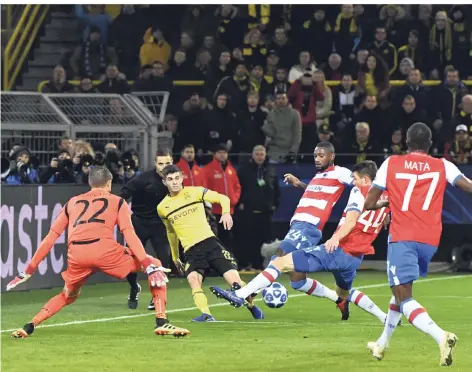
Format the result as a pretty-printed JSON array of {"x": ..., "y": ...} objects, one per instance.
[
  {"x": 378, "y": 351},
  {"x": 134, "y": 297},
  {"x": 27, "y": 330},
  {"x": 204, "y": 318},
  {"x": 229, "y": 296},
  {"x": 445, "y": 347},
  {"x": 164, "y": 328},
  {"x": 343, "y": 306}
]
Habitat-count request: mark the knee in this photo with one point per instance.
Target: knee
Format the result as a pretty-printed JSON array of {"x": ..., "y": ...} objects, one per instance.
[
  {"x": 194, "y": 280},
  {"x": 70, "y": 295}
]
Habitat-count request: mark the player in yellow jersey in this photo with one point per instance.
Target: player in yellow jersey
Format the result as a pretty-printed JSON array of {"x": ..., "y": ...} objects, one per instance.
[{"x": 183, "y": 213}]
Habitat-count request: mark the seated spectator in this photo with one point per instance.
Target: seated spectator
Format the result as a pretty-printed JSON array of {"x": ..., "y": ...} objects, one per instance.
[
  {"x": 325, "y": 134},
  {"x": 305, "y": 65},
  {"x": 231, "y": 28},
  {"x": 355, "y": 67},
  {"x": 440, "y": 44},
  {"x": 464, "y": 60},
  {"x": 224, "y": 67},
  {"x": 383, "y": 47},
  {"x": 23, "y": 167},
  {"x": 237, "y": 87},
  {"x": 333, "y": 70},
  {"x": 259, "y": 82},
  {"x": 269, "y": 103},
  {"x": 465, "y": 115},
  {"x": 272, "y": 63},
  {"x": 145, "y": 81},
  {"x": 408, "y": 115},
  {"x": 373, "y": 79},
  {"x": 404, "y": 68},
  {"x": 114, "y": 82},
  {"x": 414, "y": 88},
  {"x": 93, "y": 16},
  {"x": 396, "y": 144},
  {"x": 460, "y": 150},
  {"x": 346, "y": 101},
  {"x": 283, "y": 47},
  {"x": 155, "y": 48},
  {"x": 346, "y": 32},
  {"x": 191, "y": 123},
  {"x": 324, "y": 106},
  {"x": 254, "y": 49},
  {"x": 412, "y": 50},
  {"x": 183, "y": 69},
  {"x": 92, "y": 58},
  {"x": 161, "y": 80},
  {"x": 202, "y": 64},
  {"x": 187, "y": 44},
  {"x": 284, "y": 129},
  {"x": 220, "y": 125},
  {"x": 60, "y": 170},
  {"x": 281, "y": 84},
  {"x": 199, "y": 20},
  {"x": 363, "y": 146},
  {"x": 58, "y": 83},
  {"x": 372, "y": 114},
  {"x": 209, "y": 44},
  {"x": 249, "y": 122},
  {"x": 86, "y": 86},
  {"x": 317, "y": 35},
  {"x": 392, "y": 17}
]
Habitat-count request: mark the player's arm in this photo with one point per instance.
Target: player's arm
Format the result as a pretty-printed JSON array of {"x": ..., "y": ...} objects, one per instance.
[
  {"x": 292, "y": 180},
  {"x": 174, "y": 246},
  {"x": 379, "y": 185},
  {"x": 130, "y": 188},
  {"x": 224, "y": 201},
  {"x": 464, "y": 184},
  {"x": 456, "y": 178},
  {"x": 57, "y": 228}
]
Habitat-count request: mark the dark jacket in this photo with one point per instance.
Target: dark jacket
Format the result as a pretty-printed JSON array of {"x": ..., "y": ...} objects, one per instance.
[
  {"x": 360, "y": 153},
  {"x": 402, "y": 119},
  {"x": 250, "y": 129},
  {"x": 117, "y": 86},
  {"x": 303, "y": 99},
  {"x": 219, "y": 128},
  {"x": 237, "y": 90},
  {"x": 389, "y": 53},
  {"x": 419, "y": 93},
  {"x": 259, "y": 187},
  {"x": 375, "y": 118}
]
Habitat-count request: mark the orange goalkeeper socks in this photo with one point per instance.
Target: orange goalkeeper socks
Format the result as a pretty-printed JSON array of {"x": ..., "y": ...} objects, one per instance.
[
  {"x": 159, "y": 298},
  {"x": 53, "y": 306}
]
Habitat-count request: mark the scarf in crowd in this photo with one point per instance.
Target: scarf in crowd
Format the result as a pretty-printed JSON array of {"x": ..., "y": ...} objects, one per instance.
[
  {"x": 362, "y": 155},
  {"x": 352, "y": 26},
  {"x": 87, "y": 58},
  {"x": 461, "y": 153},
  {"x": 445, "y": 41},
  {"x": 242, "y": 83}
]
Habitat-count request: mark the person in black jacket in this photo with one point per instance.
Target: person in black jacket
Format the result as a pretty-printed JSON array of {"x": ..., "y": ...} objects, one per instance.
[
  {"x": 114, "y": 82},
  {"x": 220, "y": 125},
  {"x": 260, "y": 195},
  {"x": 147, "y": 191}
]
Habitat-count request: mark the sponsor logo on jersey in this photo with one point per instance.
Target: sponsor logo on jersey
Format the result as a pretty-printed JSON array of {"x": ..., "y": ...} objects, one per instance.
[{"x": 183, "y": 213}]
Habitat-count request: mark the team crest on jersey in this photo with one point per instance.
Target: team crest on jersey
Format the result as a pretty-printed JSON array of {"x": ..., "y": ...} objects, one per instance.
[
  {"x": 187, "y": 196},
  {"x": 218, "y": 175}
]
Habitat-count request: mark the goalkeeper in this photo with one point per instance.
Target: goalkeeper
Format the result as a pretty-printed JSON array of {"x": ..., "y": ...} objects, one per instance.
[{"x": 183, "y": 213}]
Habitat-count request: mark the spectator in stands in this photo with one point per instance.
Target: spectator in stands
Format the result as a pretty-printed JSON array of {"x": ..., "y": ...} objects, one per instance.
[
  {"x": 346, "y": 32},
  {"x": 305, "y": 65},
  {"x": 414, "y": 88},
  {"x": 269, "y": 103},
  {"x": 183, "y": 69},
  {"x": 383, "y": 47},
  {"x": 459, "y": 151},
  {"x": 86, "y": 86},
  {"x": 66, "y": 143},
  {"x": 408, "y": 115},
  {"x": 440, "y": 43},
  {"x": 363, "y": 146},
  {"x": 324, "y": 133},
  {"x": 284, "y": 129},
  {"x": 283, "y": 47},
  {"x": 317, "y": 35},
  {"x": 155, "y": 48},
  {"x": 86, "y": 161},
  {"x": 210, "y": 45},
  {"x": 202, "y": 64},
  {"x": 167, "y": 135},
  {"x": 254, "y": 49},
  {"x": 392, "y": 18},
  {"x": 346, "y": 102},
  {"x": 131, "y": 155},
  {"x": 464, "y": 117},
  {"x": 372, "y": 114},
  {"x": 373, "y": 79},
  {"x": 187, "y": 44},
  {"x": 423, "y": 23},
  {"x": 161, "y": 81},
  {"x": 23, "y": 168},
  {"x": 231, "y": 27},
  {"x": 192, "y": 173},
  {"x": 303, "y": 96},
  {"x": 272, "y": 62},
  {"x": 258, "y": 81},
  {"x": 366, "y": 22},
  {"x": 91, "y": 59},
  {"x": 114, "y": 82},
  {"x": 82, "y": 148},
  {"x": 220, "y": 176},
  {"x": 260, "y": 197},
  {"x": 355, "y": 67},
  {"x": 236, "y": 87},
  {"x": 404, "y": 68},
  {"x": 461, "y": 36},
  {"x": 412, "y": 50},
  {"x": 249, "y": 122},
  {"x": 192, "y": 123},
  {"x": 145, "y": 81},
  {"x": 60, "y": 170},
  {"x": 396, "y": 143},
  {"x": 93, "y": 16},
  {"x": 333, "y": 70},
  {"x": 220, "y": 125},
  {"x": 223, "y": 69},
  {"x": 445, "y": 103},
  {"x": 281, "y": 84},
  {"x": 324, "y": 106},
  {"x": 58, "y": 83}
]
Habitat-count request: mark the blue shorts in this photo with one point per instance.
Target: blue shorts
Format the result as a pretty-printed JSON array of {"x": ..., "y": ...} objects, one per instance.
[
  {"x": 407, "y": 261},
  {"x": 340, "y": 264},
  {"x": 301, "y": 235}
]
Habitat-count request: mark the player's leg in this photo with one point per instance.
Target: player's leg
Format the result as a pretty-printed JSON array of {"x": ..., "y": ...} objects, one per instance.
[
  {"x": 195, "y": 280},
  {"x": 363, "y": 301}
]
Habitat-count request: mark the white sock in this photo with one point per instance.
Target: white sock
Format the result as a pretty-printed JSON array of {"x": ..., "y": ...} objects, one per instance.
[
  {"x": 365, "y": 303},
  {"x": 313, "y": 288},
  {"x": 393, "y": 317},
  {"x": 262, "y": 280},
  {"x": 418, "y": 316}
]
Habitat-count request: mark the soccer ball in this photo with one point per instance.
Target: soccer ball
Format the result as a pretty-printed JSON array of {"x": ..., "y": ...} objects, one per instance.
[{"x": 275, "y": 295}]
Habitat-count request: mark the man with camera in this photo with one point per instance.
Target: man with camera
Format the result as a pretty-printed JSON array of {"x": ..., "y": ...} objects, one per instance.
[
  {"x": 146, "y": 191},
  {"x": 23, "y": 167},
  {"x": 60, "y": 170}
]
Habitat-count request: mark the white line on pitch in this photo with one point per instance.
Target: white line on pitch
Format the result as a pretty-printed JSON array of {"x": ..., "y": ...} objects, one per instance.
[{"x": 103, "y": 320}]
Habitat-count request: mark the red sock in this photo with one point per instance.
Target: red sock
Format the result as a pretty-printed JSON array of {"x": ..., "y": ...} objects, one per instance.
[
  {"x": 159, "y": 297},
  {"x": 51, "y": 307}
]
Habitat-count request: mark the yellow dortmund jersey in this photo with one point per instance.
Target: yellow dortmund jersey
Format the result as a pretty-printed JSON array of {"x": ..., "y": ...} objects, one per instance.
[{"x": 185, "y": 219}]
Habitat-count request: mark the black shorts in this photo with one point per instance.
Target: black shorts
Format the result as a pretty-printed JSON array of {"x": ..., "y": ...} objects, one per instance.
[{"x": 209, "y": 254}]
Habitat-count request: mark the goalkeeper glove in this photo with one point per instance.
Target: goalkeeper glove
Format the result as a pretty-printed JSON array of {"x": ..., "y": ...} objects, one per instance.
[
  {"x": 21, "y": 278},
  {"x": 156, "y": 275}
]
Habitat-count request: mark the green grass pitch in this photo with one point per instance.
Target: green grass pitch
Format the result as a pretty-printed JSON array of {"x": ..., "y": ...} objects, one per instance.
[{"x": 305, "y": 335}]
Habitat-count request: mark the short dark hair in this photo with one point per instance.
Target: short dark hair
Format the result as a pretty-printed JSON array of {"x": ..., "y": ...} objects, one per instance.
[
  {"x": 163, "y": 152},
  {"x": 170, "y": 169},
  {"x": 99, "y": 176},
  {"x": 419, "y": 137},
  {"x": 366, "y": 168},
  {"x": 189, "y": 146},
  {"x": 326, "y": 145}
]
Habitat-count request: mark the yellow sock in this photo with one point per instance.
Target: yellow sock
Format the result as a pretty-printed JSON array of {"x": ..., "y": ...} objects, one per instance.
[{"x": 201, "y": 300}]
